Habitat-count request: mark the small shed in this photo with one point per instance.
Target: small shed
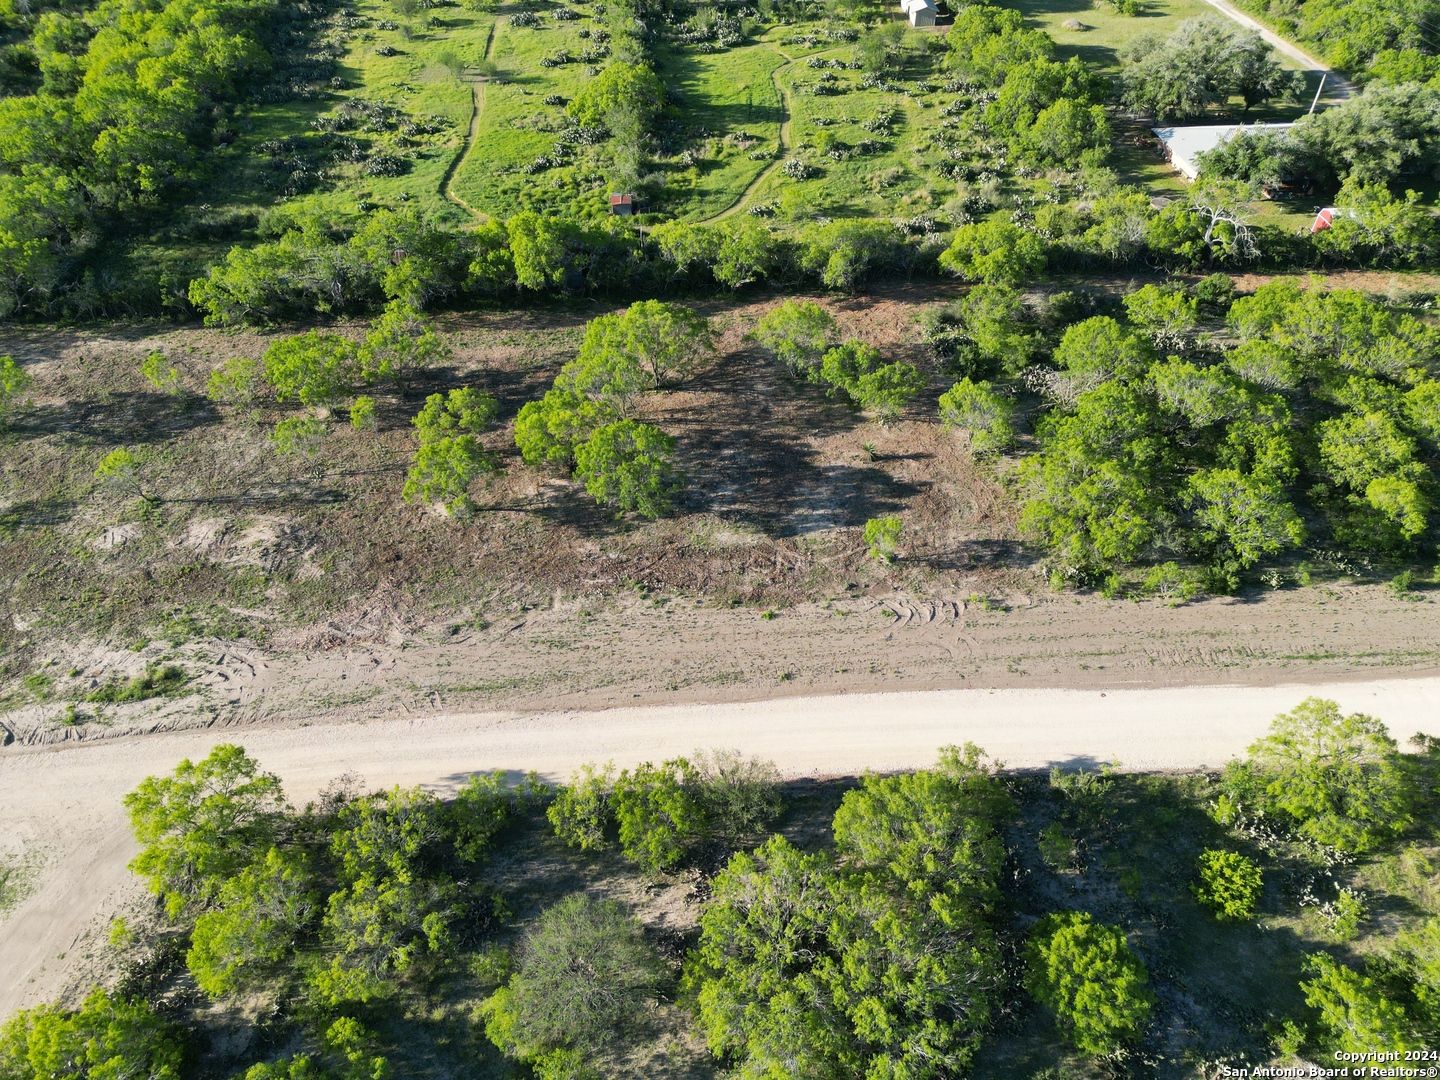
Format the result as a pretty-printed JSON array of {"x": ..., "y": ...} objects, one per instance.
[
  {"x": 622, "y": 205},
  {"x": 919, "y": 12},
  {"x": 1184, "y": 145}
]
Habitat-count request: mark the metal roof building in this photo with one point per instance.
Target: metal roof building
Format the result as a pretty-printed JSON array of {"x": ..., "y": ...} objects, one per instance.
[{"x": 1184, "y": 145}]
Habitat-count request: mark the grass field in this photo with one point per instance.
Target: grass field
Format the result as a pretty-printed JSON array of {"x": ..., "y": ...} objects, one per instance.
[{"x": 414, "y": 84}]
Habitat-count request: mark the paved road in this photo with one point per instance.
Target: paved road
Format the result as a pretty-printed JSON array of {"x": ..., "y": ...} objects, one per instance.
[{"x": 68, "y": 798}]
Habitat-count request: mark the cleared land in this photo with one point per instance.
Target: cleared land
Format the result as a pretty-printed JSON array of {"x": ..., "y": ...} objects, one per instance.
[{"x": 278, "y": 585}]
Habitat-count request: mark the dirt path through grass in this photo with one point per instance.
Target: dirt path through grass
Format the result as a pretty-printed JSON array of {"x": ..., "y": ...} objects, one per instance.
[
  {"x": 477, "y": 108},
  {"x": 739, "y": 203},
  {"x": 69, "y": 800}
]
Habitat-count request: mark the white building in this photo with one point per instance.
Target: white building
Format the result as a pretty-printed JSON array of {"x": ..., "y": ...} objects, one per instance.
[
  {"x": 1184, "y": 145},
  {"x": 919, "y": 12}
]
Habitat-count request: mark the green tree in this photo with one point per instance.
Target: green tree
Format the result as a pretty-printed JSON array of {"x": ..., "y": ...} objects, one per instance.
[
  {"x": 1354, "y": 1015},
  {"x": 1369, "y": 454},
  {"x": 1065, "y": 131},
  {"x": 994, "y": 253},
  {"x": 982, "y": 412},
  {"x": 547, "y": 431},
  {"x": 109, "y": 1037},
  {"x": 1240, "y": 519},
  {"x": 1205, "y": 62},
  {"x": 881, "y": 965},
  {"x": 450, "y": 455},
  {"x": 1230, "y": 884},
  {"x": 618, "y": 88},
  {"x": 256, "y": 924},
  {"x": 987, "y": 42},
  {"x": 845, "y": 254},
  {"x": 1337, "y": 777},
  {"x": 119, "y": 471},
  {"x": 392, "y": 914},
  {"x": 492, "y": 265},
  {"x": 316, "y": 368},
  {"x": 202, "y": 825},
  {"x": 582, "y": 981},
  {"x": 628, "y": 465},
  {"x": 484, "y": 806},
  {"x": 994, "y": 319},
  {"x": 796, "y": 331},
  {"x": 1096, "y": 493},
  {"x": 538, "y": 249},
  {"x": 1167, "y": 315},
  {"x": 1374, "y": 136},
  {"x": 667, "y": 342},
  {"x": 883, "y": 390},
  {"x": 400, "y": 341},
  {"x": 1089, "y": 976}
]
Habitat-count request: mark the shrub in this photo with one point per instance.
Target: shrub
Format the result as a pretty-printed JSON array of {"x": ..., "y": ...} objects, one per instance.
[
  {"x": 739, "y": 795},
  {"x": 362, "y": 414},
  {"x": 119, "y": 471},
  {"x": 233, "y": 382},
  {"x": 156, "y": 682},
  {"x": 107, "y": 1036},
  {"x": 1057, "y": 848},
  {"x": 659, "y": 813},
  {"x": 881, "y": 535},
  {"x": 1230, "y": 884},
  {"x": 583, "y": 977},
  {"x": 14, "y": 381},
  {"x": 980, "y": 411},
  {"x": 158, "y": 374},
  {"x": 1089, "y": 976},
  {"x": 582, "y": 813},
  {"x": 299, "y": 436},
  {"x": 483, "y": 806}
]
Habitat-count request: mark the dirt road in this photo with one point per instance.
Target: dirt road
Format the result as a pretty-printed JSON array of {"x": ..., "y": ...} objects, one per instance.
[{"x": 67, "y": 799}]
